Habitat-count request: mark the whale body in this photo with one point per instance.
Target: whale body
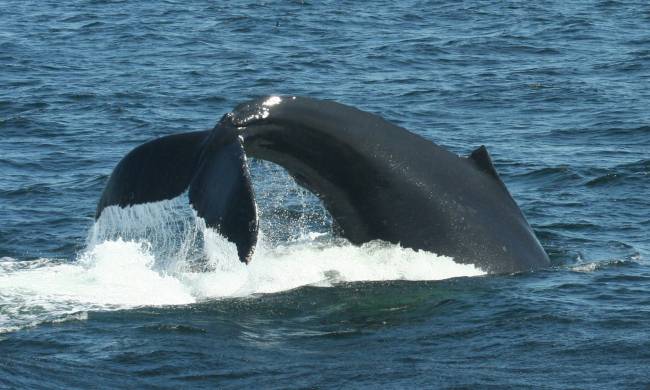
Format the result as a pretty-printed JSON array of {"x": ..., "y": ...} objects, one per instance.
[{"x": 377, "y": 180}]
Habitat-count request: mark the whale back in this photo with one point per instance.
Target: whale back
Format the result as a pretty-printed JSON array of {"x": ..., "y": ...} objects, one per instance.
[{"x": 380, "y": 181}]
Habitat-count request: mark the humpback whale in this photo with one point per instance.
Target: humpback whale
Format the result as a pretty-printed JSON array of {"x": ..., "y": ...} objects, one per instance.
[{"x": 377, "y": 180}]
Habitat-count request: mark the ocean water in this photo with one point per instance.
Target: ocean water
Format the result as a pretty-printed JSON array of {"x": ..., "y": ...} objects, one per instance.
[{"x": 559, "y": 92}]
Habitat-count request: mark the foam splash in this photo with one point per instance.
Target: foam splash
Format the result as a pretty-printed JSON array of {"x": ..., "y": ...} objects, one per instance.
[
  {"x": 162, "y": 254},
  {"x": 113, "y": 275},
  {"x": 118, "y": 274}
]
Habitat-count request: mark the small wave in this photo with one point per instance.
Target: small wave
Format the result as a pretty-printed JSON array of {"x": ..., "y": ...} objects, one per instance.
[
  {"x": 210, "y": 99},
  {"x": 92, "y": 25},
  {"x": 641, "y": 166},
  {"x": 603, "y": 180},
  {"x": 32, "y": 189},
  {"x": 16, "y": 121},
  {"x": 630, "y": 171},
  {"x": 616, "y": 135},
  {"x": 551, "y": 176},
  {"x": 22, "y": 107},
  {"x": 78, "y": 18},
  {"x": 575, "y": 226},
  {"x": 81, "y": 316},
  {"x": 173, "y": 328},
  {"x": 78, "y": 96},
  {"x": 600, "y": 265},
  {"x": 644, "y": 279},
  {"x": 554, "y": 171}
]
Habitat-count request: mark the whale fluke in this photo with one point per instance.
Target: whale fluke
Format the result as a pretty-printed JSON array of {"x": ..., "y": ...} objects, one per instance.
[
  {"x": 210, "y": 164},
  {"x": 221, "y": 191},
  {"x": 157, "y": 170}
]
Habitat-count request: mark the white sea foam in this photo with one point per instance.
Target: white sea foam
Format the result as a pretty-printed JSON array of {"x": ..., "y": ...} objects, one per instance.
[
  {"x": 585, "y": 267},
  {"x": 162, "y": 254}
]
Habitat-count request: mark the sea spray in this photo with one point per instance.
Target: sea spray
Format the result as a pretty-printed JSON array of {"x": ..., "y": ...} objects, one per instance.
[
  {"x": 161, "y": 253},
  {"x": 122, "y": 274}
]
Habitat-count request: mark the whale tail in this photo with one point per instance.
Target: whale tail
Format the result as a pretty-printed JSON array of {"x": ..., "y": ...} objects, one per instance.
[
  {"x": 211, "y": 165},
  {"x": 377, "y": 180}
]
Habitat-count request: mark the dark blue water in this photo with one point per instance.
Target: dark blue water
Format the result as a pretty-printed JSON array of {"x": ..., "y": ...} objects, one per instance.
[{"x": 559, "y": 93}]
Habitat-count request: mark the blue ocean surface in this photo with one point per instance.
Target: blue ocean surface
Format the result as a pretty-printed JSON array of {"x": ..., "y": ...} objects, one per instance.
[{"x": 559, "y": 92}]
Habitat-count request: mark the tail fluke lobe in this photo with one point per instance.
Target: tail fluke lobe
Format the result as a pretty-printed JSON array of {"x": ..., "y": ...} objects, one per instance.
[
  {"x": 222, "y": 194},
  {"x": 157, "y": 170}
]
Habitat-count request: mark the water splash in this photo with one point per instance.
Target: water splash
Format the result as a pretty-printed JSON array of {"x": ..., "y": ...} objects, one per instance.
[
  {"x": 163, "y": 254},
  {"x": 130, "y": 271}
]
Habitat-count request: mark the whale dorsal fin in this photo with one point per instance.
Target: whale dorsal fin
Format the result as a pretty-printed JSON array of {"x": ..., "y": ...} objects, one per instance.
[{"x": 481, "y": 158}]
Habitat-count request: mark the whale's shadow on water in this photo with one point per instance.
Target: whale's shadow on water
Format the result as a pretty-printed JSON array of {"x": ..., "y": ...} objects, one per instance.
[{"x": 378, "y": 181}]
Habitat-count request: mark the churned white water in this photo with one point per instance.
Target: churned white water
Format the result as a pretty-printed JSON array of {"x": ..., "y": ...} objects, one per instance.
[{"x": 162, "y": 254}]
